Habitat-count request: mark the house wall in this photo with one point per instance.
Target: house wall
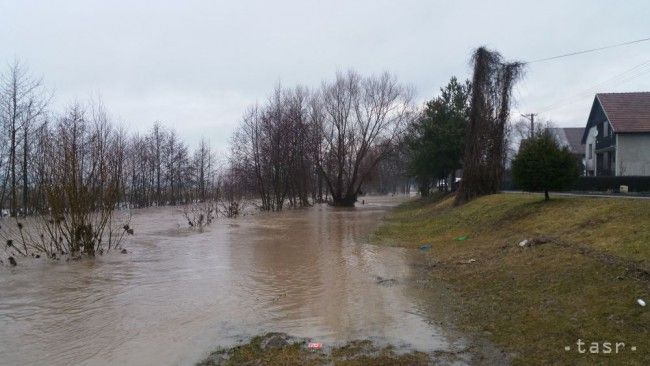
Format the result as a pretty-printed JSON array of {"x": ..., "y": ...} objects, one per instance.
[
  {"x": 633, "y": 154},
  {"x": 590, "y": 164}
]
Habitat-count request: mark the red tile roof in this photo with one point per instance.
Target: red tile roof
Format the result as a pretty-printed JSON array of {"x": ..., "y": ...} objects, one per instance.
[
  {"x": 627, "y": 112},
  {"x": 574, "y": 135}
]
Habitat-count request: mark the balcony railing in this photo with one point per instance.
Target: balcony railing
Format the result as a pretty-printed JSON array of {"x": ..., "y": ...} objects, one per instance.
[{"x": 605, "y": 142}]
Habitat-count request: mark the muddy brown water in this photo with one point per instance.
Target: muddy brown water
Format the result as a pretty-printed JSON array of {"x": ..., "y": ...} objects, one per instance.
[{"x": 177, "y": 295}]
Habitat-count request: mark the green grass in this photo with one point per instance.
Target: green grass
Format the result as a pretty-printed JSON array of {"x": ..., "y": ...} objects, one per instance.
[{"x": 534, "y": 301}]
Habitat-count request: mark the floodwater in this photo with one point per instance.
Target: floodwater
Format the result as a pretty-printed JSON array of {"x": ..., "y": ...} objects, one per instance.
[{"x": 178, "y": 294}]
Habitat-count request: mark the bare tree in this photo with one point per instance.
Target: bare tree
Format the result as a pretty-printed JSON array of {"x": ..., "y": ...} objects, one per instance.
[
  {"x": 158, "y": 140},
  {"x": 22, "y": 103},
  {"x": 272, "y": 150},
  {"x": 202, "y": 166},
  {"x": 34, "y": 110},
  {"x": 362, "y": 119}
]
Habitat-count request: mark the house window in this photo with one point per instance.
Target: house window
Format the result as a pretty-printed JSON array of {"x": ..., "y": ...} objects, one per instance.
[
  {"x": 609, "y": 128},
  {"x": 600, "y": 129},
  {"x": 591, "y": 151}
]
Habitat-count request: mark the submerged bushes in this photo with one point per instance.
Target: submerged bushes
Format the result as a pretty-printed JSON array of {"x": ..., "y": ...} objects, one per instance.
[
  {"x": 78, "y": 186},
  {"x": 82, "y": 182}
]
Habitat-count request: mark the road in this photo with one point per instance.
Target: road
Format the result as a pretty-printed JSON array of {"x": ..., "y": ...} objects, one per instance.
[{"x": 586, "y": 194}]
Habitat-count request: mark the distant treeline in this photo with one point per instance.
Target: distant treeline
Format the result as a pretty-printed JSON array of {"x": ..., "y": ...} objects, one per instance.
[
  {"x": 301, "y": 146},
  {"x": 83, "y": 150}
]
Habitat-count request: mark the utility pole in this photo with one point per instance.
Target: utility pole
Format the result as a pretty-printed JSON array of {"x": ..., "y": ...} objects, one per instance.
[{"x": 531, "y": 117}]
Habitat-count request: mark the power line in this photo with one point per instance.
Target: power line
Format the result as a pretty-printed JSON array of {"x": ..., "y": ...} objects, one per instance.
[
  {"x": 620, "y": 78},
  {"x": 589, "y": 50}
]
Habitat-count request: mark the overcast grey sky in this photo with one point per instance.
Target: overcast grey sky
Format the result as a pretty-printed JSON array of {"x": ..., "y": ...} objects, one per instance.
[{"x": 196, "y": 65}]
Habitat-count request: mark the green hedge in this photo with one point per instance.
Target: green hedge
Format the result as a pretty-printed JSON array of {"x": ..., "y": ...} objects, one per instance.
[
  {"x": 598, "y": 184},
  {"x": 634, "y": 183}
]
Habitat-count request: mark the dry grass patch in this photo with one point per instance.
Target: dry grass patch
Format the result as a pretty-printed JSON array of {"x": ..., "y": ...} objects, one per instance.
[
  {"x": 281, "y": 349},
  {"x": 580, "y": 282}
]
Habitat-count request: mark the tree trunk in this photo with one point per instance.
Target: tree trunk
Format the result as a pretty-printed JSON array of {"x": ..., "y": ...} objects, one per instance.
[
  {"x": 345, "y": 201},
  {"x": 453, "y": 180},
  {"x": 12, "y": 152},
  {"x": 12, "y": 165},
  {"x": 424, "y": 187},
  {"x": 320, "y": 188},
  {"x": 546, "y": 196},
  {"x": 25, "y": 152}
]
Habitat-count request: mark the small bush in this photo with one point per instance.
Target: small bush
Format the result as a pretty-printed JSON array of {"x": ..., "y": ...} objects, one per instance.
[
  {"x": 541, "y": 165},
  {"x": 199, "y": 215}
]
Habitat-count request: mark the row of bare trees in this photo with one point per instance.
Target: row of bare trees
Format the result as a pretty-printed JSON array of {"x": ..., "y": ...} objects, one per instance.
[
  {"x": 64, "y": 174},
  {"x": 22, "y": 112},
  {"x": 321, "y": 144},
  {"x": 160, "y": 169},
  {"x": 299, "y": 147},
  {"x": 272, "y": 150},
  {"x": 155, "y": 168}
]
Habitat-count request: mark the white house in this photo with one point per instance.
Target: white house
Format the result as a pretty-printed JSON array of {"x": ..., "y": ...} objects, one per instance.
[{"x": 617, "y": 135}]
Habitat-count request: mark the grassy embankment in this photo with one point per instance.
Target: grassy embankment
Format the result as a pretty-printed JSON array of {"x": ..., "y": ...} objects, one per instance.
[{"x": 579, "y": 280}]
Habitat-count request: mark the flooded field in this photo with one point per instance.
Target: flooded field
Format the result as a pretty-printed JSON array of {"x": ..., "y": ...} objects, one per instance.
[{"x": 178, "y": 294}]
